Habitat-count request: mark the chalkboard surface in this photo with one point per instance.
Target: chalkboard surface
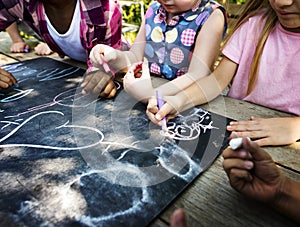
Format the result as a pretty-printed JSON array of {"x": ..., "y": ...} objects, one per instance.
[{"x": 68, "y": 159}]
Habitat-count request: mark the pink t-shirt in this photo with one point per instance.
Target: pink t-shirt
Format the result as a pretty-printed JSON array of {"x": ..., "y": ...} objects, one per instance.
[{"x": 278, "y": 82}]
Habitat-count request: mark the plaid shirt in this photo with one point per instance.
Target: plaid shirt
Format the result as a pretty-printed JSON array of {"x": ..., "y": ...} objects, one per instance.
[{"x": 101, "y": 21}]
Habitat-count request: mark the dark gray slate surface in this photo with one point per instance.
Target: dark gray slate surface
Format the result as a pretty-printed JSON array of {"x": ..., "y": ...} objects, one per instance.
[{"x": 71, "y": 160}]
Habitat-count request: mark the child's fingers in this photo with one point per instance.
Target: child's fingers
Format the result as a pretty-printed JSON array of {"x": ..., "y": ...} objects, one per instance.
[
  {"x": 236, "y": 163},
  {"x": 95, "y": 55},
  {"x": 132, "y": 72},
  {"x": 5, "y": 83},
  {"x": 6, "y": 79},
  {"x": 42, "y": 49},
  {"x": 237, "y": 175},
  {"x": 101, "y": 53},
  {"x": 109, "y": 91},
  {"x": 127, "y": 80},
  {"x": 255, "y": 151},
  {"x": 152, "y": 110},
  {"x": 178, "y": 219},
  {"x": 229, "y": 153}
]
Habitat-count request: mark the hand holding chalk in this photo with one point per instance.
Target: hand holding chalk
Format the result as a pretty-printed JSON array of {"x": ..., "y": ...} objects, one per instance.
[
  {"x": 236, "y": 143},
  {"x": 138, "y": 70},
  {"x": 105, "y": 66}
]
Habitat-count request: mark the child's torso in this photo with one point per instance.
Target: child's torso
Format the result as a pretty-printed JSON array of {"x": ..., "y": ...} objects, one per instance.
[{"x": 169, "y": 47}]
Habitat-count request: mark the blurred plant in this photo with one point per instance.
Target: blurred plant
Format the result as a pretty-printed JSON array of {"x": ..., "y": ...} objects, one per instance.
[
  {"x": 132, "y": 13},
  {"x": 25, "y": 35}
]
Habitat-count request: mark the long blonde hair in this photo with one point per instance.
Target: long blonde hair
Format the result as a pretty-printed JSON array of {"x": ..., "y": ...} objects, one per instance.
[{"x": 249, "y": 9}]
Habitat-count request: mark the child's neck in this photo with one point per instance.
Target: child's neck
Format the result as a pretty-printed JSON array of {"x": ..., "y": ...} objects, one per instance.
[
  {"x": 295, "y": 30},
  {"x": 194, "y": 5}
]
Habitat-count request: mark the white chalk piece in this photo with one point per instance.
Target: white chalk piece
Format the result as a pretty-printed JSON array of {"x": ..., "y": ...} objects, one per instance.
[{"x": 236, "y": 143}]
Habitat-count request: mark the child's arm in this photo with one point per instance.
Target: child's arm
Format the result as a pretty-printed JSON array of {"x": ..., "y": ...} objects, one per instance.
[
  {"x": 120, "y": 60},
  {"x": 98, "y": 83},
  {"x": 18, "y": 44},
  {"x": 206, "y": 50},
  {"x": 253, "y": 173},
  {"x": 268, "y": 131},
  {"x": 200, "y": 92}
]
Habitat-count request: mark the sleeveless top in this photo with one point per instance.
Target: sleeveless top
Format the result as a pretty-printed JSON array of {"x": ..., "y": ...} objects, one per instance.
[{"x": 169, "y": 47}]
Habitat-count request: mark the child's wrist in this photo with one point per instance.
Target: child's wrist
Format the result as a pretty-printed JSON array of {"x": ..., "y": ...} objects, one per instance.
[
  {"x": 18, "y": 41},
  {"x": 184, "y": 101},
  {"x": 287, "y": 199},
  {"x": 282, "y": 195}
]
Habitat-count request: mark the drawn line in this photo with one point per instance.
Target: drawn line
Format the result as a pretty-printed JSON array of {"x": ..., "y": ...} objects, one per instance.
[{"x": 51, "y": 147}]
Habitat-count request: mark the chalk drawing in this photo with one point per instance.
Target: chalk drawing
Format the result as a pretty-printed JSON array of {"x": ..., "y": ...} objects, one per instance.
[
  {"x": 65, "y": 125},
  {"x": 20, "y": 94}
]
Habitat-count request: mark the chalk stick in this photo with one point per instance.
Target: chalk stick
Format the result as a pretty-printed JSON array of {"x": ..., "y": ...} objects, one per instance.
[
  {"x": 160, "y": 103},
  {"x": 236, "y": 143}
]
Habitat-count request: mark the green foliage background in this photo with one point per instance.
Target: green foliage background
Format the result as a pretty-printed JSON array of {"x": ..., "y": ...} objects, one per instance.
[{"x": 132, "y": 14}]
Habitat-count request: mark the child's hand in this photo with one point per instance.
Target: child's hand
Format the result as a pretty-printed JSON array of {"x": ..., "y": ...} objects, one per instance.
[
  {"x": 42, "y": 49},
  {"x": 268, "y": 131},
  {"x": 138, "y": 83},
  {"x": 108, "y": 54},
  {"x": 252, "y": 172},
  {"x": 6, "y": 79},
  {"x": 99, "y": 83},
  {"x": 19, "y": 47},
  {"x": 168, "y": 110}
]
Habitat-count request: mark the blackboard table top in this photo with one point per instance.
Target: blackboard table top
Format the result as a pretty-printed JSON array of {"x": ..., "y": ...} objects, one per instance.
[{"x": 209, "y": 200}]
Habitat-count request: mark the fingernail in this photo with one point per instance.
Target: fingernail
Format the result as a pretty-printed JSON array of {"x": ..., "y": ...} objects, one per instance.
[
  {"x": 249, "y": 164},
  {"x": 83, "y": 92},
  {"x": 158, "y": 117},
  {"x": 242, "y": 153}
]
